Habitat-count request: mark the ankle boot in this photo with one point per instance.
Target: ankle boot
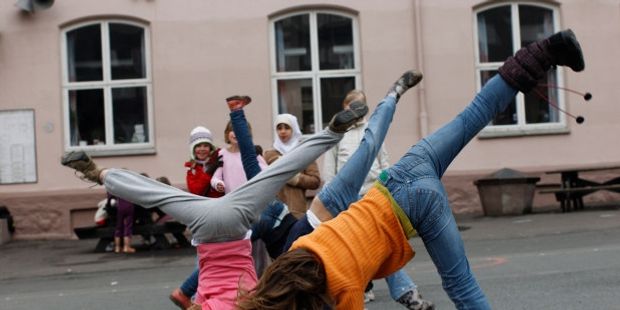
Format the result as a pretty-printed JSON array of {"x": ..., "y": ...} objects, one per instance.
[
  {"x": 82, "y": 163},
  {"x": 127, "y": 245},
  {"x": 117, "y": 244},
  {"x": 530, "y": 64},
  {"x": 407, "y": 80}
]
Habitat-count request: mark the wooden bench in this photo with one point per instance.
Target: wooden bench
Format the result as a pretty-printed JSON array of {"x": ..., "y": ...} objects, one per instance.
[{"x": 143, "y": 226}]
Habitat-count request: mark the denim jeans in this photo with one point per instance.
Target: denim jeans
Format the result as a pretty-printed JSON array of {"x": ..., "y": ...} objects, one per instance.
[
  {"x": 190, "y": 285},
  {"x": 344, "y": 188},
  {"x": 414, "y": 183}
]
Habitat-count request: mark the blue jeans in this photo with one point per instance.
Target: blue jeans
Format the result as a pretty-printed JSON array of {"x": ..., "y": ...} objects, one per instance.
[
  {"x": 344, "y": 189},
  {"x": 415, "y": 184},
  {"x": 190, "y": 285}
]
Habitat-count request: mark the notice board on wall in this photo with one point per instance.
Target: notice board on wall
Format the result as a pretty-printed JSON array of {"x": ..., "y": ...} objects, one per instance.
[{"x": 17, "y": 147}]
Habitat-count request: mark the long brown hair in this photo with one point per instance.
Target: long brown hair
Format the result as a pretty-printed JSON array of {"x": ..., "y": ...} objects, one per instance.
[{"x": 295, "y": 280}]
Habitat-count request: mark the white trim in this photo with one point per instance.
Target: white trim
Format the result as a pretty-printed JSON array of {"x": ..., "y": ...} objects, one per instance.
[
  {"x": 521, "y": 128},
  {"x": 314, "y": 74},
  {"x": 107, "y": 84}
]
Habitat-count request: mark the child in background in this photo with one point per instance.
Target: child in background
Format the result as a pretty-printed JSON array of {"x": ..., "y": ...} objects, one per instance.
[{"x": 287, "y": 135}]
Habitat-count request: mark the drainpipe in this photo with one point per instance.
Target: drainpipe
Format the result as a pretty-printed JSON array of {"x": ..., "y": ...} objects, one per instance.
[{"x": 419, "y": 50}]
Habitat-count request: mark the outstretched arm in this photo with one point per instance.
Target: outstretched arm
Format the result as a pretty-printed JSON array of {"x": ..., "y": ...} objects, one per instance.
[{"x": 244, "y": 137}]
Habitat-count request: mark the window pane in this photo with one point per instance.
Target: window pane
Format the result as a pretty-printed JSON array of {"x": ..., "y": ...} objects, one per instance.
[
  {"x": 84, "y": 54},
  {"x": 536, "y": 23},
  {"x": 86, "y": 117},
  {"x": 293, "y": 44},
  {"x": 495, "y": 34},
  {"x": 127, "y": 52},
  {"x": 295, "y": 97},
  {"x": 335, "y": 42},
  {"x": 537, "y": 108},
  {"x": 130, "y": 115},
  {"x": 333, "y": 91},
  {"x": 508, "y": 116}
]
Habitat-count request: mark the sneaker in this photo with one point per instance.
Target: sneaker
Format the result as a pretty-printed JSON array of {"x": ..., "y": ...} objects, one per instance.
[
  {"x": 179, "y": 299},
  {"x": 369, "y": 296},
  {"x": 81, "y": 162},
  {"x": 238, "y": 102},
  {"x": 344, "y": 119},
  {"x": 412, "y": 300},
  {"x": 407, "y": 80}
]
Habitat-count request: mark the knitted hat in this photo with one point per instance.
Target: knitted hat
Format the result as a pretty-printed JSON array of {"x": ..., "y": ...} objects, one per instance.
[{"x": 199, "y": 135}]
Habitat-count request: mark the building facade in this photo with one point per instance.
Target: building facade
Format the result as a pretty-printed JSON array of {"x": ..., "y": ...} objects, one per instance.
[{"x": 127, "y": 81}]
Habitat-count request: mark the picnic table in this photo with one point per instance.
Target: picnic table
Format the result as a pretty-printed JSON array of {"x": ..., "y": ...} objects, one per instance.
[{"x": 574, "y": 187}]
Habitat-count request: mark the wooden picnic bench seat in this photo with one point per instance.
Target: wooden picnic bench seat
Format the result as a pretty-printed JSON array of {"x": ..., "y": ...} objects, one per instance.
[
  {"x": 584, "y": 189},
  {"x": 144, "y": 226},
  {"x": 574, "y": 195}
]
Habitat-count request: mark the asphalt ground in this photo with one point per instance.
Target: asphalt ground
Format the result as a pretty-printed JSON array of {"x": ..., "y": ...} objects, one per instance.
[{"x": 546, "y": 260}]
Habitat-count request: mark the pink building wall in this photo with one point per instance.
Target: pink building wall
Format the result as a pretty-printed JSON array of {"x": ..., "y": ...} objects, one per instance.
[{"x": 204, "y": 51}]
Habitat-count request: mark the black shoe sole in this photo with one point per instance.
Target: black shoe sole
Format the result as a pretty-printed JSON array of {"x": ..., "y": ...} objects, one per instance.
[
  {"x": 346, "y": 118},
  {"x": 412, "y": 78}
]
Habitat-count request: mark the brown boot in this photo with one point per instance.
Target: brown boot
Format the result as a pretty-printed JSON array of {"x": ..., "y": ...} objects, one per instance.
[
  {"x": 117, "y": 244},
  {"x": 180, "y": 299},
  {"x": 81, "y": 162},
  {"x": 531, "y": 63},
  {"x": 127, "y": 245}
]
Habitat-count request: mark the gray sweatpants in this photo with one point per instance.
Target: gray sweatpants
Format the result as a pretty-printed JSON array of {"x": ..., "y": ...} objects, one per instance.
[{"x": 231, "y": 216}]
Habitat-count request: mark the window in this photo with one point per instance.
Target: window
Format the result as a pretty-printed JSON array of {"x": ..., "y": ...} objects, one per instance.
[
  {"x": 501, "y": 31},
  {"x": 107, "y": 87},
  {"x": 314, "y": 65}
]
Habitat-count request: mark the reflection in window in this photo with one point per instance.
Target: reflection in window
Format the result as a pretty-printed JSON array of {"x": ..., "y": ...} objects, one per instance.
[
  {"x": 127, "y": 52},
  {"x": 103, "y": 110},
  {"x": 333, "y": 91},
  {"x": 293, "y": 43},
  {"x": 314, "y": 68},
  {"x": 295, "y": 97},
  {"x": 86, "y": 117},
  {"x": 496, "y": 29},
  {"x": 84, "y": 54},
  {"x": 130, "y": 118},
  {"x": 335, "y": 42}
]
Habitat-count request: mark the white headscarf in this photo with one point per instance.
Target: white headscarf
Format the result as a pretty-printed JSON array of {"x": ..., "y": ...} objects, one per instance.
[{"x": 290, "y": 120}]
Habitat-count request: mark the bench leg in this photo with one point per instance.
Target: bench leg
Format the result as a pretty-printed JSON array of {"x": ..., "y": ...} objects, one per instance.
[
  {"x": 103, "y": 244},
  {"x": 161, "y": 242},
  {"x": 563, "y": 201},
  {"x": 181, "y": 240}
]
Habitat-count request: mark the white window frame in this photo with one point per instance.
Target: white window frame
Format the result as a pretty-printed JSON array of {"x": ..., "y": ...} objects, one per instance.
[
  {"x": 106, "y": 85},
  {"x": 521, "y": 128},
  {"x": 315, "y": 74}
]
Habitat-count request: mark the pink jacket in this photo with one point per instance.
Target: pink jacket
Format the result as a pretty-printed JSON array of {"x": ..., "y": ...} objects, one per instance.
[
  {"x": 231, "y": 173},
  {"x": 224, "y": 267}
]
